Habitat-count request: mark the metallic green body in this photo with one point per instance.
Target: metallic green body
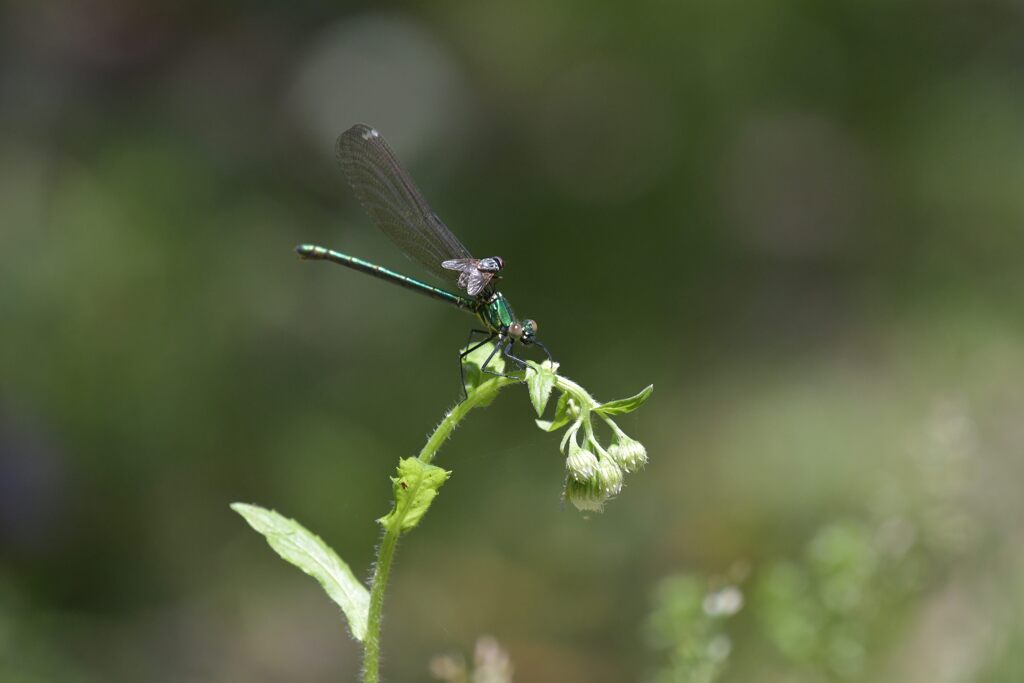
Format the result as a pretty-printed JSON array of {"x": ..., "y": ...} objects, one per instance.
[
  {"x": 495, "y": 312},
  {"x": 492, "y": 309},
  {"x": 315, "y": 253}
]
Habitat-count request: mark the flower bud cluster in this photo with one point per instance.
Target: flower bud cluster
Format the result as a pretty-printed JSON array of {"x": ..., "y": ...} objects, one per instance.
[{"x": 595, "y": 474}]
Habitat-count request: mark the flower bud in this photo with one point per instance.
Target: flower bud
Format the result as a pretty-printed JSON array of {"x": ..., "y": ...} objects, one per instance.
[
  {"x": 581, "y": 464},
  {"x": 609, "y": 476},
  {"x": 629, "y": 453},
  {"x": 585, "y": 496}
]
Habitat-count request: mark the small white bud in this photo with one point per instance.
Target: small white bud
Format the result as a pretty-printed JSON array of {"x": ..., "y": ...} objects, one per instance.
[
  {"x": 586, "y": 497},
  {"x": 581, "y": 464},
  {"x": 610, "y": 476},
  {"x": 629, "y": 453}
]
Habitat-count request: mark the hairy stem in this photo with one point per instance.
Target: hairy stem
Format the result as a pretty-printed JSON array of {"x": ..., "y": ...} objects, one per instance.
[
  {"x": 480, "y": 395},
  {"x": 371, "y": 651},
  {"x": 576, "y": 391}
]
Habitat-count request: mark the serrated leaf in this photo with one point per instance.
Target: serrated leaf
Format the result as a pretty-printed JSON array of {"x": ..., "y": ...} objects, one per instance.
[
  {"x": 304, "y": 549},
  {"x": 561, "y": 417},
  {"x": 415, "y": 488},
  {"x": 540, "y": 383},
  {"x": 625, "y": 405}
]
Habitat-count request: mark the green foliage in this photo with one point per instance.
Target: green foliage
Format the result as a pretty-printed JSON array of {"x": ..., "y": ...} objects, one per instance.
[
  {"x": 415, "y": 488},
  {"x": 688, "y": 625},
  {"x": 563, "y": 414},
  {"x": 595, "y": 474},
  {"x": 818, "y": 612},
  {"x": 304, "y": 549},
  {"x": 625, "y": 405},
  {"x": 803, "y": 218},
  {"x": 417, "y": 483},
  {"x": 833, "y": 611},
  {"x": 477, "y": 379},
  {"x": 540, "y": 383}
]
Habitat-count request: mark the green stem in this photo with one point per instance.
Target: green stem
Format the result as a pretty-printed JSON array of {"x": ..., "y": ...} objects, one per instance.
[
  {"x": 576, "y": 391},
  {"x": 371, "y": 651},
  {"x": 481, "y": 395}
]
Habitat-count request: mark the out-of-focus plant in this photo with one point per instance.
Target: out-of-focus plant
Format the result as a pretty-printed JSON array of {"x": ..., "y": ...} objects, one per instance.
[
  {"x": 491, "y": 664},
  {"x": 817, "y": 610},
  {"x": 689, "y": 625},
  {"x": 834, "y": 609},
  {"x": 594, "y": 474}
]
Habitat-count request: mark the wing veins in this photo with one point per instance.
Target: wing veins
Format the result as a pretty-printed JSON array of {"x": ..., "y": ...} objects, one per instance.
[{"x": 393, "y": 201}]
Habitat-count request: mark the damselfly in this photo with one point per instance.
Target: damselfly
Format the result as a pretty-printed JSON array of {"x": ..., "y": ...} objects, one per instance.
[{"x": 396, "y": 205}]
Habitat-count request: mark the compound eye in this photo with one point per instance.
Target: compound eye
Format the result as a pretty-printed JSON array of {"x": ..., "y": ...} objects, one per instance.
[
  {"x": 531, "y": 327},
  {"x": 515, "y": 330}
]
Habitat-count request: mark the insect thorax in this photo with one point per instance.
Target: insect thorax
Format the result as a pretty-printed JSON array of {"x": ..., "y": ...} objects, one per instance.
[
  {"x": 496, "y": 313},
  {"x": 491, "y": 264}
]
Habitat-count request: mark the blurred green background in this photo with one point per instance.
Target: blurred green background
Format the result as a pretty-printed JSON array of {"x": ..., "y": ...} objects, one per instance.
[{"x": 801, "y": 221}]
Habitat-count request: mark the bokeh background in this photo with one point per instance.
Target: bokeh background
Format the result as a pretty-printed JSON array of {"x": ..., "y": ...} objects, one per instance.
[{"x": 801, "y": 221}]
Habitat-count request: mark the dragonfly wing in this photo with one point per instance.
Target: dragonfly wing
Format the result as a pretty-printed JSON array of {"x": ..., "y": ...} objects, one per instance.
[{"x": 393, "y": 201}]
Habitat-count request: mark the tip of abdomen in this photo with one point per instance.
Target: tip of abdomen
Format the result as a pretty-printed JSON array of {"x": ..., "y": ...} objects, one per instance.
[{"x": 309, "y": 251}]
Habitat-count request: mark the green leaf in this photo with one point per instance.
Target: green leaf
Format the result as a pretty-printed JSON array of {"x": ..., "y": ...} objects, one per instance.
[
  {"x": 295, "y": 544},
  {"x": 561, "y": 417},
  {"x": 473, "y": 362},
  {"x": 415, "y": 488},
  {"x": 541, "y": 382},
  {"x": 625, "y": 405}
]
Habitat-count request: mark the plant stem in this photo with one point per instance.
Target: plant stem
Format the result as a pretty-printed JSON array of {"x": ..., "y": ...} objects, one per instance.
[
  {"x": 480, "y": 395},
  {"x": 371, "y": 651},
  {"x": 576, "y": 391}
]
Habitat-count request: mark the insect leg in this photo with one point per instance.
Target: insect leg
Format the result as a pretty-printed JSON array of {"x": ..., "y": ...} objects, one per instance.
[
  {"x": 469, "y": 340},
  {"x": 483, "y": 368},
  {"x": 469, "y": 350},
  {"x": 507, "y": 353},
  {"x": 544, "y": 349}
]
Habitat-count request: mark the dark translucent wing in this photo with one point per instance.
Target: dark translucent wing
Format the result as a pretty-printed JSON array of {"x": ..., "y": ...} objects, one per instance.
[{"x": 394, "y": 202}]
